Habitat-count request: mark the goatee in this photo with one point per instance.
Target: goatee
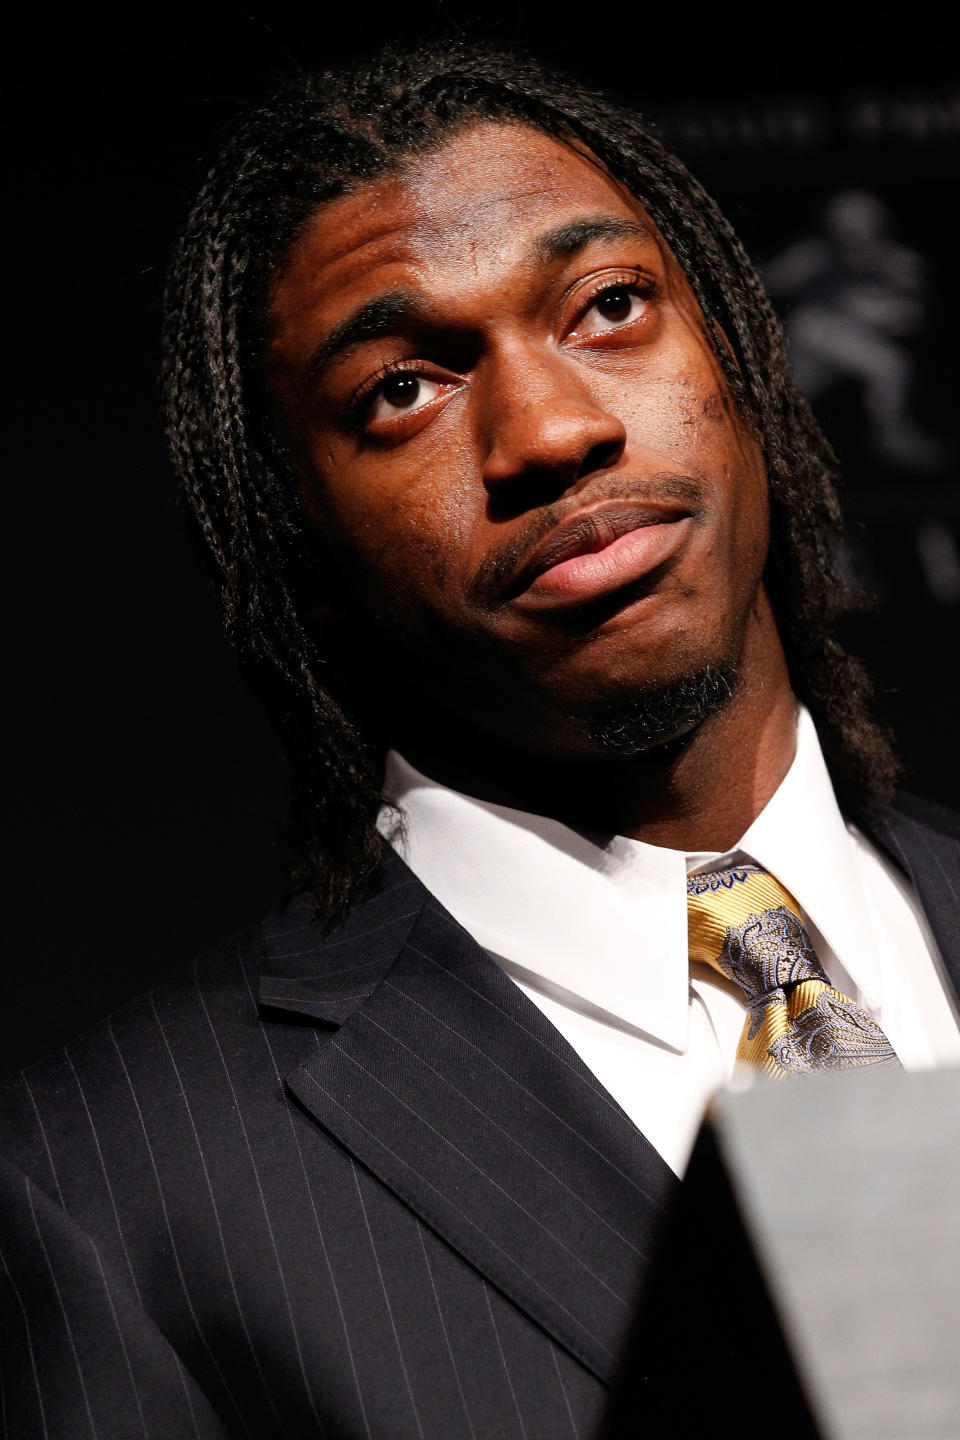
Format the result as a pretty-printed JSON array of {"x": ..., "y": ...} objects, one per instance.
[{"x": 659, "y": 714}]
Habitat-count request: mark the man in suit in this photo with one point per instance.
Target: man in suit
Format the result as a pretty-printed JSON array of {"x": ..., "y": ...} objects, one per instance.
[{"x": 524, "y": 533}]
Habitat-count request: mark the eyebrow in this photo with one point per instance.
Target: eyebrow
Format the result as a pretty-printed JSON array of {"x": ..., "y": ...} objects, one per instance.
[
  {"x": 381, "y": 316},
  {"x": 568, "y": 240},
  {"x": 387, "y": 313}
]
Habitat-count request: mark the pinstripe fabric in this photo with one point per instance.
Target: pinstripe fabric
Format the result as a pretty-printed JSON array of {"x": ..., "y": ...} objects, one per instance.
[{"x": 348, "y": 1184}]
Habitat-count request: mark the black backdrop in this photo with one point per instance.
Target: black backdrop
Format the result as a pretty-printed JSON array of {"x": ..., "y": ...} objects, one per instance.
[{"x": 147, "y": 792}]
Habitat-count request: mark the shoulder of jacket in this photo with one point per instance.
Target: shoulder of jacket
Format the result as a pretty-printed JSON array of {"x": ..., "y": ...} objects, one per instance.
[{"x": 930, "y": 813}]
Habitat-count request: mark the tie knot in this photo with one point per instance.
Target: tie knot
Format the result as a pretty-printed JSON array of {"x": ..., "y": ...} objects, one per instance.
[{"x": 745, "y": 924}]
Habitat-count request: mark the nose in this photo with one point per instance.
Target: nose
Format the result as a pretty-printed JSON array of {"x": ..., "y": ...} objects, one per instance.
[{"x": 546, "y": 429}]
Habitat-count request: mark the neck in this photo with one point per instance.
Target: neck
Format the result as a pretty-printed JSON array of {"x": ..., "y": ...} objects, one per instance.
[{"x": 699, "y": 792}]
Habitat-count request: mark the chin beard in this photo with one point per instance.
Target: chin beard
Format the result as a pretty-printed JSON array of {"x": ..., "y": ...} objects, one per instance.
[{"x": 658, "y": 714}]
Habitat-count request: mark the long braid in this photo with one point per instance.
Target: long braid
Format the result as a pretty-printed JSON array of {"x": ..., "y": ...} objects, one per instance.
[{"x": 319, "y": 136}]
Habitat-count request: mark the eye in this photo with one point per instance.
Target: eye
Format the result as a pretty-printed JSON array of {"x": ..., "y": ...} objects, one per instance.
[
  {"x": 615, "y": 307},
  {"x": 402, "y": 393},
  {"x": 397, "y": 401}
]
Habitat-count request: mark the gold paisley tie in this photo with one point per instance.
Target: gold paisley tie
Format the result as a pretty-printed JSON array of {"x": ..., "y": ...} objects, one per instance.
[{"x": 743, "y": 923}]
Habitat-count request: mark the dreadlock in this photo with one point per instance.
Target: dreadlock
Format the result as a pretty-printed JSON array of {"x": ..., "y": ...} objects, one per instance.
[{"x": 324, "y": 134}]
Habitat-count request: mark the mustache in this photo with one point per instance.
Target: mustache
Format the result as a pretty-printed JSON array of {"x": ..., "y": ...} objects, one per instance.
[{"x": 504, "y": 562}]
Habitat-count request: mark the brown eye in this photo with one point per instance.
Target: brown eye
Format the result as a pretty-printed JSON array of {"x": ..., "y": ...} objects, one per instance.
[
  {"x": 619, "y": 308},
  {"x": 402, "y": 394},
  {"x": 400, "y": 390},
  {"x": 615, "y": 304}
]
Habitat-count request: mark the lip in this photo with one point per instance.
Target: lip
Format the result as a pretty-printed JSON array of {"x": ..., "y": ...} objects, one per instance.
[{"x": 594, "y": 552}]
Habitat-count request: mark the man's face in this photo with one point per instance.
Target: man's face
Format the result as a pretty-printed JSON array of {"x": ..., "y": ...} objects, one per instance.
[{"x": 524, "y": 471}]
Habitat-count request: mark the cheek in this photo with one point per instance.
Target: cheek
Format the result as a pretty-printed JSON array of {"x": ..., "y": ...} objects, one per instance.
[
  {"x": 682, "y": 417},
  {"x": 409, "y": 529},
  {"x": 431, "y": 540}
]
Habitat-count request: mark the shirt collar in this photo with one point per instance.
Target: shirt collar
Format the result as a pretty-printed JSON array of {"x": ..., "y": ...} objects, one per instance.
[
  {"x": 801, "y": 837},
  {"x": 603, "y": 920},
  {"x": 604, "y": 923}
]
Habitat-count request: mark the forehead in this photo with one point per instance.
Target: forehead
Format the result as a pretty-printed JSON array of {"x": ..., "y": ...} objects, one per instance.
[{"x": 456, "y": 216}]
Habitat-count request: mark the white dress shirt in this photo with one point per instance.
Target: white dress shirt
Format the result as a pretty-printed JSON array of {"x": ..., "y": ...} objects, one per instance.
[{"x": 596, "y": 933}]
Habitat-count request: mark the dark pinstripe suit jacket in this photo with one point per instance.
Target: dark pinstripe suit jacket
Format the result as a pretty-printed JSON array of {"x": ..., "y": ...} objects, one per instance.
[{"x": 345, "y": 1184}]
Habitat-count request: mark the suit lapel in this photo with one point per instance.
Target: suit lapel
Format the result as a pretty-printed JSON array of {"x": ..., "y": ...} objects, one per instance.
[
  {"x": 931, "y": 860},
  {"x": 447, "y": 1082}
]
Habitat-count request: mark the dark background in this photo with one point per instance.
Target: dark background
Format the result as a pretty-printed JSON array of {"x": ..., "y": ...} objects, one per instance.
[{"x": 147, "y": 793}]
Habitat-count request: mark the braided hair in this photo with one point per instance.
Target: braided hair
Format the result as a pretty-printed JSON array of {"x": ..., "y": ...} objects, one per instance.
[{"x": 321, "y": 135}]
